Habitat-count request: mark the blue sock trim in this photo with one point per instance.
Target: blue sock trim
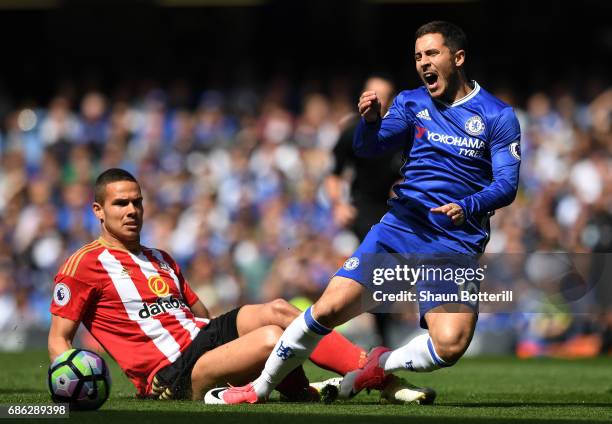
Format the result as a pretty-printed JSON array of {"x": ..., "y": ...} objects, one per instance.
[
  {"x": 313, "y": 325},
  {"x": 439, "y": 362}
]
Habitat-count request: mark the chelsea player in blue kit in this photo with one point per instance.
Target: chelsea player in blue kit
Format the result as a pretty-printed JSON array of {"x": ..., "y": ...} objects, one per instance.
[{"x": 463, "y": 156}]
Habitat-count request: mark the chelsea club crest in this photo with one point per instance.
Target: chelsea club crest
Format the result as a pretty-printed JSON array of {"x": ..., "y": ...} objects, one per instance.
[
  {"x": 351, "y": 263},
  {"x": 475, "y": 125}
]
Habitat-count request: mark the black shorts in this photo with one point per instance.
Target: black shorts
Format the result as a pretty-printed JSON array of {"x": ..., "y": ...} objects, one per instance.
[{"x": 219, "y": 331}]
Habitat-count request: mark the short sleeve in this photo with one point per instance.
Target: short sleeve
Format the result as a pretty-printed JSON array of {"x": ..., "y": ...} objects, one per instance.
[
  {"x": 72, "y": 297},
  {"x": 188, "y": 294}
]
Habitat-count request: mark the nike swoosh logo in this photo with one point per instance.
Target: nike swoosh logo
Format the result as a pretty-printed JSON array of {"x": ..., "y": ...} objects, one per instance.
[{"x": 216, "y": 392}]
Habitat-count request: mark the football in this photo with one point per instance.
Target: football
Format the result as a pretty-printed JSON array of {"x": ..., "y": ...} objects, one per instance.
[{"x": 80, "y": 378}]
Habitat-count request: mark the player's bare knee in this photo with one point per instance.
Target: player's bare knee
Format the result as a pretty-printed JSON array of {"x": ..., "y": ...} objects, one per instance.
[
  {"x": 269, "y": 337},
  {"x": 285, "y": 309},
  {"x": 281, "y": 312},
  {"x": 450, "y": 345}
]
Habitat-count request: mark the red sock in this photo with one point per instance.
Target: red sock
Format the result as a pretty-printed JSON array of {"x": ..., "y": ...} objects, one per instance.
[
  {"x": 295, "y": 382},
  {"x": 335, "y": 353}
]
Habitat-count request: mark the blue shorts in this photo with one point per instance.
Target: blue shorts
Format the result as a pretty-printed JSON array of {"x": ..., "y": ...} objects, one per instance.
[{"x": 388, "y": 246}]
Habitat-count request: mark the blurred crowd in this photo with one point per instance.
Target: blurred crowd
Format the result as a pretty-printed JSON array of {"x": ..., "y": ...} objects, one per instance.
[{"x": 232, "y": 181}]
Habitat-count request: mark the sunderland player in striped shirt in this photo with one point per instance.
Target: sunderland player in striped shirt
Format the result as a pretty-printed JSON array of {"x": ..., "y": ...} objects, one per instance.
[
  {"x": 136, "y": 303},
  {"x": 463, "y": 157}
]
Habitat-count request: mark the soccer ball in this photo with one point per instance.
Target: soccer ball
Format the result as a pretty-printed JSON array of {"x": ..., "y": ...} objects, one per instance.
[{"x": 80, "y": 378}]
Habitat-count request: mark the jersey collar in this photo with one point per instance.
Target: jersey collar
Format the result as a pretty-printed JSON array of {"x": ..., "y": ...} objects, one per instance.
[
  {"x": 110, "y": 246},
  {"x": 464, "y": 99}
]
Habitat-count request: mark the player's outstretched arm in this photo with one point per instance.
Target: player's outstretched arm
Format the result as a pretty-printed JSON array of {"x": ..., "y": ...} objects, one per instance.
[{"x": 61, "y": 335}]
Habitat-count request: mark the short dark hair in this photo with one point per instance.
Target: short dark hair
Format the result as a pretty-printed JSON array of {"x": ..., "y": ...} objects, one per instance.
[
  {"x": 454, "y": 37},
  {"x": 110, "y": 176}
]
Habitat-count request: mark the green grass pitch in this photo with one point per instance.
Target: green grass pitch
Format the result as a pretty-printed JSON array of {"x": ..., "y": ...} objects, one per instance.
[{"x": 476, "y": 390}]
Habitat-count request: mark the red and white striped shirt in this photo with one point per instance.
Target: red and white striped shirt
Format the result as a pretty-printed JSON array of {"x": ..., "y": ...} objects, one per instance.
[{"x": 136, "y": 306}]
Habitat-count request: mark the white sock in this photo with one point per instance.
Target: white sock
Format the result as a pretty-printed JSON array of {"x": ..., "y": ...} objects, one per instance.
[
  {"x": 418, "y": 355},
  {"x": 292, "y": 349}
]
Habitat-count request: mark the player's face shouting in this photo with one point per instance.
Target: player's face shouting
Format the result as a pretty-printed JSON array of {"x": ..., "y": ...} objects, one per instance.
[
  {"x": 437, "y": 65},
  {"x": 122, "y": 212}
]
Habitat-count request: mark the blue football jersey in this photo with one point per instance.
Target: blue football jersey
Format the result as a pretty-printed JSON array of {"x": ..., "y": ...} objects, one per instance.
[{"x": 467, "y": 152}]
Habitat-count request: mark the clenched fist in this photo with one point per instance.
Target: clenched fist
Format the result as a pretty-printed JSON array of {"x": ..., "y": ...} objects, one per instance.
[{"x": 369, "y": 106}]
